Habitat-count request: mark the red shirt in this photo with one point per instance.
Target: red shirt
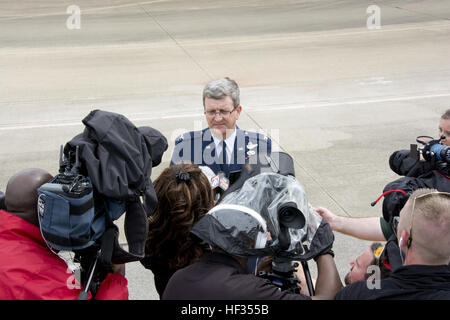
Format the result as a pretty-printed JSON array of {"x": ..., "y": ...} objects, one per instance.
[{"x": 30, "y": 271}]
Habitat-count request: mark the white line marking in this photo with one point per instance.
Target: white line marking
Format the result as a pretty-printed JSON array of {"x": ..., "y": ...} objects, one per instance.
[
  {"x": 251, "y": 109},
  {"x": 15, "y": 17},
  {"x": 356, "y": 102}
]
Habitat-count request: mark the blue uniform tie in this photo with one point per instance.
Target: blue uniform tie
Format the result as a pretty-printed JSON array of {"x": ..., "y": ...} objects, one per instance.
[{"x": 224, "y": 152}]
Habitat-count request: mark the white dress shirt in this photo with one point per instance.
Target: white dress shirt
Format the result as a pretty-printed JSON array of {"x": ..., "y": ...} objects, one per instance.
[{"x": 230, "y": 145}]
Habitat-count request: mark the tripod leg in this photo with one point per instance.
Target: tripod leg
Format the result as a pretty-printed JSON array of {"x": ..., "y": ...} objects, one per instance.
[
  {"x": 84, "y": 294},
  {"x": 308, "y": 278}
]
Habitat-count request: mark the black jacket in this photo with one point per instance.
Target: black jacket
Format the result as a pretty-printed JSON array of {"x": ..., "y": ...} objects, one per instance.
[
  {"x": 118, "y": 158},
  {"x": 220, "y": 277},
  {"x": 161, "y": 272},
  {"x": 413, "y": 282},
  {"x": 404, "y": 165}
]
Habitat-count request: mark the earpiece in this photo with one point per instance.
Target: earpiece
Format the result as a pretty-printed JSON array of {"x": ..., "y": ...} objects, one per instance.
[
  {"x": 400, "y": 242},
  {"x": 408, "y": 244}
]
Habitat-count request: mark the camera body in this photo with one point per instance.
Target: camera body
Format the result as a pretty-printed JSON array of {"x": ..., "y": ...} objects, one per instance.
[
  {"x": 432, "y": 149},
  {"x": 269, "y": 187},
  {"x": 432, "y": 153}
]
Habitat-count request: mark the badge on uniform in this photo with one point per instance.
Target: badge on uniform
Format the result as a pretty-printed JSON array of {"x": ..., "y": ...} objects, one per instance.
[{"x": 179, "y": 139}]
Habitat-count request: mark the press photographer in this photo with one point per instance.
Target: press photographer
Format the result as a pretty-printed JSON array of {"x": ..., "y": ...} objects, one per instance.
[
  {"x": 421, "y": 166},
  {"x": 406, "y": 164},
  {"x": 246, "y": 224}
]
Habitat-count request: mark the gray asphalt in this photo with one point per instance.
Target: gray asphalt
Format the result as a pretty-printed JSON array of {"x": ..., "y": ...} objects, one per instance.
[{"x": 337, "y": 96}]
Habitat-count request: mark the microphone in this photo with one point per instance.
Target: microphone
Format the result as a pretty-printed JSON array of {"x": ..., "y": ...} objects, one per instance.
[
  {"x": 219, "y": 182},
  {"x": 224, "y": 182},
  {"x": 209, "y": 174}
]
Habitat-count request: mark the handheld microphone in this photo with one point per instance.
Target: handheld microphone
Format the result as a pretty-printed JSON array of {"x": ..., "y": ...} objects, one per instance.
[
  {"x": 224, "y": 182},
  {"x": 214, "y": 181},
  {"x": 219, "y": 182}
]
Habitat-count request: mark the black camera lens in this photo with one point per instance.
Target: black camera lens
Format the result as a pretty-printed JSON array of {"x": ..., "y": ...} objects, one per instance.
[{"x": 290, "y": 216}]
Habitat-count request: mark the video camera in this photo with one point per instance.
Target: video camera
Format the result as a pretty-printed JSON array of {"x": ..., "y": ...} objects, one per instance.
[
  {"x": 432, "y": 151},
  {"x": 71, "y": 220},
  {"x": 269, "y": 187}
]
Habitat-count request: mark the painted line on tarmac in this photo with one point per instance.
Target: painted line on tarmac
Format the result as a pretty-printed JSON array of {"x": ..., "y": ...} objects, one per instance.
[
  {"x": 248, "y": 109},
  {"x": 333, "y": 104},
  {"x": 60, "y": 13}
]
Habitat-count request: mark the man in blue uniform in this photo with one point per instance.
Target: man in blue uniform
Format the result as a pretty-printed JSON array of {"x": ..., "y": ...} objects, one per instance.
[{"x": 222, "y": 146}]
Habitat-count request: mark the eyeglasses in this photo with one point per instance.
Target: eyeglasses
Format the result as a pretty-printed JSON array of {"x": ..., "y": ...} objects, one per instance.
[
  {"x": 222, "y": 113},
  {"x": 378, "y": 252}
]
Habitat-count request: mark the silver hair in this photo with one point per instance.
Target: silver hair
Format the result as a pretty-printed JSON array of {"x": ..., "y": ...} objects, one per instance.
[{"x": 220, "y": 88}]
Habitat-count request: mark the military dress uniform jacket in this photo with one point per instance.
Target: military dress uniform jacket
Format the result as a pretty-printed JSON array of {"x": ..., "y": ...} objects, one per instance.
[{"x": 198, "y": 147}]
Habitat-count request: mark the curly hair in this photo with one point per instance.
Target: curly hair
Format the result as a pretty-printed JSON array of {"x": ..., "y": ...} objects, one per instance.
[{"x": 184, "y": 196}]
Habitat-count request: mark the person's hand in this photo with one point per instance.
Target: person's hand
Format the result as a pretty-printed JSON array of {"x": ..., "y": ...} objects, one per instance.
[
  {"x": 119, "y": 268},
  {"x": 329, "y": 217}
]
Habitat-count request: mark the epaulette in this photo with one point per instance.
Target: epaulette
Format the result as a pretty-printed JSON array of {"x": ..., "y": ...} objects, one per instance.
[
  {"x": 188, "y": 136},
  {"x": 183, "y": 137},
  {"x": 255, "y": 136}
]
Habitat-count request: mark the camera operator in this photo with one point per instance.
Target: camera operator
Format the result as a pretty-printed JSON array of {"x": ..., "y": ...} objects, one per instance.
[
  {"x": 184, "y": 196},
  {"x": 233, "y": 233},
  {"x": 372, "y": 256},
  {"x": 28, "y": 269},
  {"x": 424, "y": 241},
  {"x": 416, "y": 174},
  {"x": 401, "y": 163}
]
